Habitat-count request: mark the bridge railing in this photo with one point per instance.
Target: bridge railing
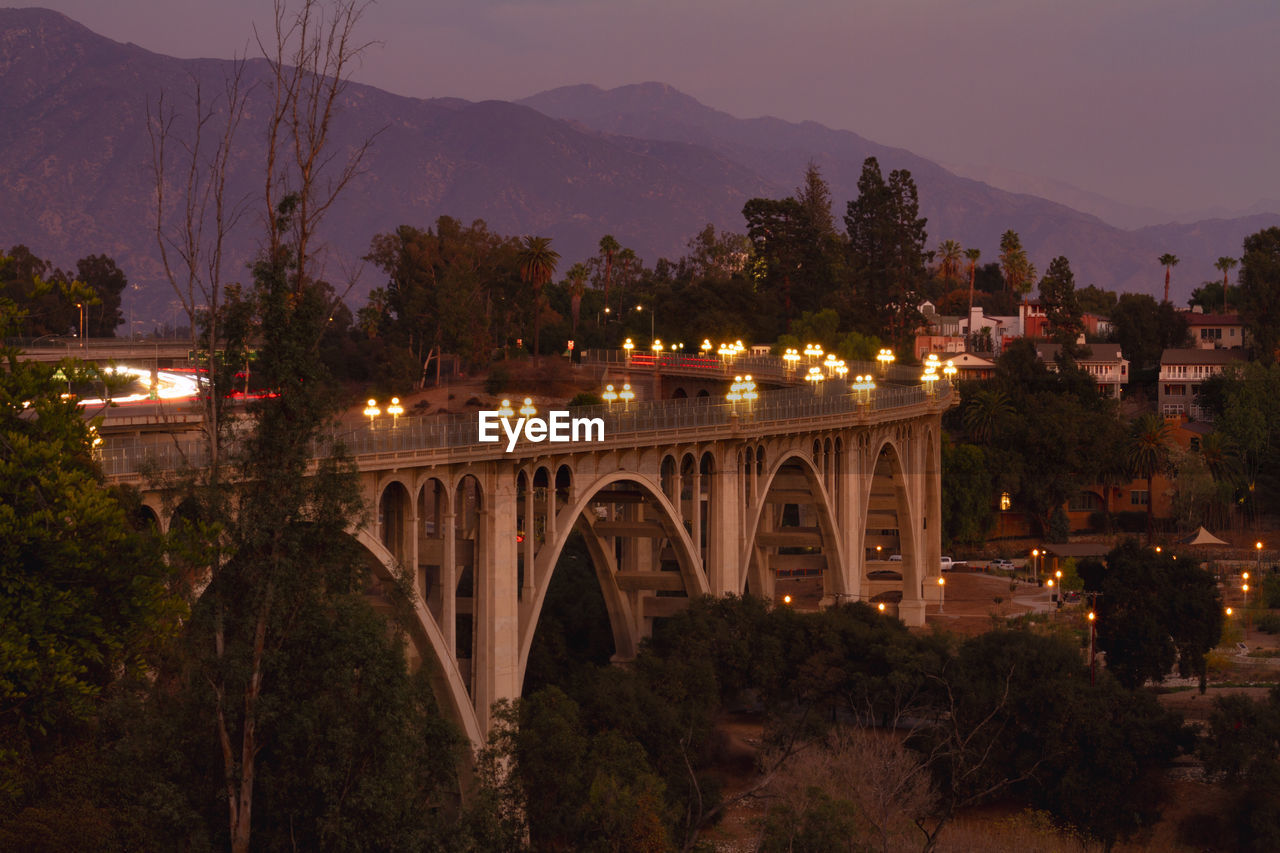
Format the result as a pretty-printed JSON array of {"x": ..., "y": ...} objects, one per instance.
[
  {"x": 767, "y": 367},
  {"x": 461, "y": 432}
]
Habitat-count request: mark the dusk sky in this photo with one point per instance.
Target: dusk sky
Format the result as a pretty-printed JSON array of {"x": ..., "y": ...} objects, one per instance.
[{"x": 1168, "y": 104}]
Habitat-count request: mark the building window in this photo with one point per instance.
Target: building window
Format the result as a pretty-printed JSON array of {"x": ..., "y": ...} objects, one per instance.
[
  {"x": 1139, "y": 497},
  {"x": 1084, "y": 502},
  {"x": 1175, "y": 390},
  {"x": 1005, "y": 501},
  {"x": 1172, "y": 410}
]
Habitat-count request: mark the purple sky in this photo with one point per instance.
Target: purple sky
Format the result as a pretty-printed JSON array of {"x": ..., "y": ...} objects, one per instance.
[{"x": 1166, "y": 104}]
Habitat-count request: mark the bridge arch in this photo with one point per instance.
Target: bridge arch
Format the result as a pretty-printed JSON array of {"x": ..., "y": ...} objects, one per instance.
[
  {"x": 890, "y": 518},
  {"x": 429, "y": 642},
  {"x": 625, "y": 606},
  {"x": 792, "y": 475}
]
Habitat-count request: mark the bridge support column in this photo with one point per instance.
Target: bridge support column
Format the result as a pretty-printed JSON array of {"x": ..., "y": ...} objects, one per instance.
[
  {"x": 497, "y": 621},
  {"x": 725, "y": 553},
  {"x": 449, "y": 583}
]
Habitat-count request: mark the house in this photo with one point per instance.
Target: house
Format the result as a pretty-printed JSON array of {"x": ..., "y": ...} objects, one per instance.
[
  {"x": 1104, "y": 362},
  {"x": 1182, "y": 371},
  {"x": 1033, "y": 322},
  {"x": 972, "y": 365},
  {"x": 958, "y": 334},
  {"x": 1215, "y": 331}
]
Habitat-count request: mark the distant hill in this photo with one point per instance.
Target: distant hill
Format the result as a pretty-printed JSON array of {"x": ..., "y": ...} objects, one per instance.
[
  {"x": 958, "y": 208},
  {"x": 645, "y": 163}
]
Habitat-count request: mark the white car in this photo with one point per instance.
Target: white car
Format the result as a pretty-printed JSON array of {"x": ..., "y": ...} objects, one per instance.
[{"x": 1001, "y": 564}]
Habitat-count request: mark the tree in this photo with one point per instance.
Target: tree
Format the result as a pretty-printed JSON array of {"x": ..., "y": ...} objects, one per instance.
[
  {"x": 1154, "y": 611},
  {"x": 985, "y": 412},
  {"x": 1144, "y": 329},
  {"x": 886, "y": 253},
  {"x": 1260, "y": 291},
  {"x": 1019, "y": 273},
  {"x": 1095, "y": 300},
  {"x": 1168, "y": 261},
  {"x": 972, "y": 255},
  {"x": 101, "y": 275},
  {"x": 1224, "y": 265},
  {"x": 577, "y": 279},
  {"x": 608, "y": 248},
  {"x": 1058, "y": 293},
  {"x": 537, "y": 265},
  {"x": 85, "y": 600},
  {"x": 967, "y": 513},
  {"x": 1147, "y": 452},
  {"x": 948, "y": 255}
]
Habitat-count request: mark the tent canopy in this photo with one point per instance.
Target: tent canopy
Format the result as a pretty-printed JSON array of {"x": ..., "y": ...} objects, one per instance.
[{"x": 1202, "y": 537}]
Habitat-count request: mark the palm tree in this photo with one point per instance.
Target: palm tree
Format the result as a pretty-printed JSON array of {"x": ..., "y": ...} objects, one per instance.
[
  {"x": 537, "y": 266},
  {"x": 577, "y": 286},
  {"x": 949, "y": 252},
  {"x": 1168, "y": 261},
  {"x": 1225, "y": 265},
  {"x": 972, "y": 255},
  {"x": 608, "y": 247},
  {"x": 985, "y": 413},
  {"x": 1147, "y": 452}
]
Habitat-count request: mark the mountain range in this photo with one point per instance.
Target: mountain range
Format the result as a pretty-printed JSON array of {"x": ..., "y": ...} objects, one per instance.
[{"x": 646, "y": 163}]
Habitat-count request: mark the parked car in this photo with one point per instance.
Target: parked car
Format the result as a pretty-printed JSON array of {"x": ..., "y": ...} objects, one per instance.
[
  {"x": 1001, "y": 564},
  {"x": 949, "y": 564}
]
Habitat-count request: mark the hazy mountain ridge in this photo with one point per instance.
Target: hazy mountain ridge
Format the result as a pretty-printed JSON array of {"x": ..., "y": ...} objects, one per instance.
[
  {"x": 645, "y": 163},
  {"x": 957, "y": 207}
]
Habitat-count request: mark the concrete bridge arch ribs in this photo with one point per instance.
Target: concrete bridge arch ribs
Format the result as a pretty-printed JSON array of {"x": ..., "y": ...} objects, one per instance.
[
  {"x": 894, "y": 500},
  {"x": 793, "y": 518},
  {"x": 625, "y": 546}
]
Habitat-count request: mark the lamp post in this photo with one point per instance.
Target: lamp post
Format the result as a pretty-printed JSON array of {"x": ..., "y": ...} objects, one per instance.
[
  {"x": 886, "y": 358},
  {"x": 609, "y": 396},
  {"x": 657, "y": 348},
  {"x": 528, "y": 410},
  {"x": 1093, "y": 634},
  {"x": 372, "y": 411},
  {"x": 942, "y": 593},
  {"x": 626, "y": 395},
  {"x": 791, "y": 357},
  {"x": 1035, "y": 563},
  {"x": 1058, "y": 575},
  {"x": 395, "y": 410},
  {"x": 949, "y": 371},
  {"x": 80, "y": 305},
  {"x": 1245, "y": 589},
  {"x": 505, "y": 410},
  {"x": 627, "y": 347},
  {"x": 705, "y": 347},
  {"x": 814, "y": 377}
]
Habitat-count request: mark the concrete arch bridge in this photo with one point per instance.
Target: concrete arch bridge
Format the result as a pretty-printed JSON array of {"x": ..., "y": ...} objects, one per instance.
[{"x": 801, "y": 493}]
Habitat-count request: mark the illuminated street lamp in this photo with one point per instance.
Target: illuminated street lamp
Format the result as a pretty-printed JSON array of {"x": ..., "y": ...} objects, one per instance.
[
  {"x": 505, "y": 410},
  {"x": 942, "y": 593},
  {"x": 842, "y": 369},
  {"x": 735, "y": 393},
  {"x": 395, "y": 410},
  {"x": 609, "y": 396},
  {"x": 528, "y": 410},
  {"x": 880, "y": 607},
  {"x": 791, "y": 357},
  {"x": 749, "y": 395},
  {"x": 813, "y": 351},
  {"x": 886, "y": 358},
  {"x": 372, "y": 411},
  {"x": 627, "y": 346},
  {"x": 949, "y": 370},
  {"x": 830, "y": 364},
  {"x": 1093, "y": 635},
  {"x": 626, "y": 395},
  {"x": 656, "y": 346},
  {"x": 862, "y": 387},
  {"x": 786, "y": 599},
  {"x": 1035, "y": 562},
  {"x": 814, "y": 377},
  {"x": 929, "y": 377},
  {"x": 705, "y": 347}
]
